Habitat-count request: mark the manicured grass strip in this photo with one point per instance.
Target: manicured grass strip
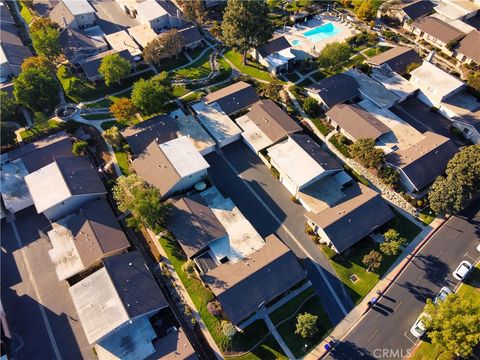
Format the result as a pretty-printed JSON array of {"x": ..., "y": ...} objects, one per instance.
[
  {"x": 196, "y": 70},
  {"x": 267, "y": 350},
  {"x": 427, "y": 215},
  {"x": 298, "y": 345},
  {"x": 318, "y": 76},
  {"x": 427, "y": 351},
  {"x": 341, "y": 147},
  {"x": 405, "y": 227},
  {"x": 289, "y": 308},
  {"x": 25, "y": 12},
  {"x": 356, "y": 175},
  {"x": 42, "y": 129},
  {"x": 122, "y": 160},
  {"x": 305, "y": 82},
  {"x": 292, "y": 77},
  {"x": 172, "y": 63},
  {"x": 321, "y": 126},
  {"x": 252, "y": 69},
  {"x": 471, "y": 286}
]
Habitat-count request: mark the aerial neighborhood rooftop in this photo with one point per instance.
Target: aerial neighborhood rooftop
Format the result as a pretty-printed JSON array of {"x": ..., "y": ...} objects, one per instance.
[{"x": 174, "y": 186}]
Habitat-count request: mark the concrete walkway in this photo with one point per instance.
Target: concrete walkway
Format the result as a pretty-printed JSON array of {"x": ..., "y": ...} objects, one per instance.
[{"x": 277, "y": 337}]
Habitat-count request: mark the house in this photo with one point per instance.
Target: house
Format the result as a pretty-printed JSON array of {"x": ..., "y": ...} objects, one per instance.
[
  {"x": 396, "y": 59},
  {"x": 77, "y": 45},
  {"x": 333, "y": 90},
  {"x": 436, "y": 32},
  {"x": 266, "y": 124},
  {"x": 188, "y": 126},
  {"x": 434, "y": 83},
  {"x": 191, "y": 37},
  {"x": 74, "y": 14},
  {"x": 469, "y": 50},
  {"x": 12, "y": 50},
  {"x": 457, "y": 9},
  {"x": 150, "y": 12},
  {"x": 121, "y": 40},
  {"x": 171, "y": 167},
  {"x": 219, "y": 126},
  {"x": 420, "y": 164},
  {"x": 142, "y": 34},
  {"x": 161, "y": 128},
  {"x": 115, "y": 305},
  {"x": 355, "y": 122},
  {"x": 82, "y": 239},
  {"x": 356, "y": 216},
  {"x": 243, "y": 287},
  {"x": 300, "y": 162},
  {"x": 62, "y": 187},
  {"x": 91, "y": 64},
  {"x": 394, "y": 83},
  {"x": 233, "y": 98},
  {"x": 18, "y": 163},
  {"x": 275, "y": 55},
  {"x": 413, "y": 11}
]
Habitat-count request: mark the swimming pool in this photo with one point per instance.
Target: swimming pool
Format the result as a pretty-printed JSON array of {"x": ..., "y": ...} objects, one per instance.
[
  {"x": 322, "y": 32},
  {"x": 296, "y": 42}
]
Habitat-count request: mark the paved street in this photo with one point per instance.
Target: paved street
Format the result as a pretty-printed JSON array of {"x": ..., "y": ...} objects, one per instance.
[
  {"x": 384, "y": 333},
  {"x": 241, "y": 175},
  {"x": 39, "y": 309}
]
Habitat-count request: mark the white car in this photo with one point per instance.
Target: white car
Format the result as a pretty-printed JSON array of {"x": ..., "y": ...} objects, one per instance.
[
  {"x": 442, "y": 295},
  {"x": 462, "y": 270},
  {"x": 419, "y": 328}
]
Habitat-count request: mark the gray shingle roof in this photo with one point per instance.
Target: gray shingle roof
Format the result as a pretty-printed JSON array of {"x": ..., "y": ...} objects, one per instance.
[
  {"x": 80, "y": 176},
  {"x": 397, "y": 58},
  {"x": 311, "y": 147},
  {"x": 273, "y": 46},
  {"x": 335, "y": 89},
  {"x": 418, "y": 9},
  {"x": 233, "y": 98},
  {"x": 190, "y": 35}
]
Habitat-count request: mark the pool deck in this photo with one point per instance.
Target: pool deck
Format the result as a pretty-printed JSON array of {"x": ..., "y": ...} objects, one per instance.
[{"x": 308, "y": 48}]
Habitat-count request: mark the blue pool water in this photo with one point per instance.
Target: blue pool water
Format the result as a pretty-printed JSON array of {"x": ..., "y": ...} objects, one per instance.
[
  {"x": 296, "y": 42},
  {"x": 322, "y": 32}
]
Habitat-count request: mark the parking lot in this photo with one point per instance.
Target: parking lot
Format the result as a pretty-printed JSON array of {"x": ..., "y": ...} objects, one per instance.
[
  {"x": 40, "y": 312},
  {"x": 242, "y": 176}
]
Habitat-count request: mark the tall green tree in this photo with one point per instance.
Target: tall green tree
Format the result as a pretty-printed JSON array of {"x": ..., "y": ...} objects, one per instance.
[
  {"x": 246, "y": 25},
  {"x": 366, "y": 11},
  {"x": 306, "y": 325},
  {"x": 333, "y": 55},
  {"x": 37, "y": 61},
  {"x": 123, "y": 110},
  {"x": 37, "y": 89},
  {"x": 114, "y": 68},
  {"x": 41, "y": 23},
  {"x": 150, "y": 96},
  {"x": 46, "y": 42},
  {"x": 455, "y": 323},
  {"x": 365, "y": 152},
  {"x": 393, "y": 242},
  {"x": 473, "y": 79},
  {"x": 113, "y": 137},
  {"x": 193, "y": 10},
  {"x": 8, "y": 106},
  {"x": 450, "y": 193},
  {"x": 373, "y": 260},
  {"x": 164, "y": 46}
]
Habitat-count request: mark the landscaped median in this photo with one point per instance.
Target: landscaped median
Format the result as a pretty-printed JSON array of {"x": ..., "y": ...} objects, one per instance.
[{"x": 244, "y": 344}]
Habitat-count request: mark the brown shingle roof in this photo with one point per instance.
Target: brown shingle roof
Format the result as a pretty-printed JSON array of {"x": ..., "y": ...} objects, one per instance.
[
  {"x": 470, "y": 46},
  {"x": 233, "y": 98},
  {"x": 272, "y": 120},
  {"x": 438, "y": 29},
  {"x": 357, "y": 122},
  {"x": 314, "y": 150},
  {"x": 397, "y": 58},
  {"x": 259, "y": 278},
  {"x": 335, "y": 89}
]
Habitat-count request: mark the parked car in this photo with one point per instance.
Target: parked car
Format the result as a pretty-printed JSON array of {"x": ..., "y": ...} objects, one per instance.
[
  {"x": 419, "y": 328},
  {"x": 442, "y": 295},
  {"x": 462, "y": 270}
]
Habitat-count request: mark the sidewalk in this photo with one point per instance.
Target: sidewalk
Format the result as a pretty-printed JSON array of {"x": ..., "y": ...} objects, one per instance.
[{"x": 353, "y": 317}]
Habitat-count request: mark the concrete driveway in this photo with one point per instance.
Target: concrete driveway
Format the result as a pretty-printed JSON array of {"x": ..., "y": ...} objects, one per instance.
[
  {"x": 38, "y": 307},
  {"x": 241, "y": 175}
]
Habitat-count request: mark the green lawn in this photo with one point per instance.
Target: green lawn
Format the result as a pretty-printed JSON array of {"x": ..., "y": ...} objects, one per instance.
[
  {"x": 376, "y": 50},
  {"x": 471, "y": 286},
  {"x": 42, "y": 129},
  {"x": 306, "y": 82},
  {"x": 172, "y": 63},
  {"x": 356, "y": 175},
  {"x": 427, "y": 215},
  {"x": 192, "y": 97},
  {"x": 290, "y": 308},
  {"x": 318, "y": 76},
  {"x": 196, "y": 70},
  {"x": 101, "y": 116},
  {"x": 253, "y": 69},
  {"x": 321, "y": 126},
  {"x": 405, "y": 227},
  {"x": 356, "y": 60},
  {"x": 122, "y": 160},
  {"x": 201, "y": 295},
  {"x": 299, "y": 346},
  {"x": 25, "y": 12},
  {"x": 343, "y": 148},
  {"x": 196, "y": 52},
  {"x": 292, "y": 77}
]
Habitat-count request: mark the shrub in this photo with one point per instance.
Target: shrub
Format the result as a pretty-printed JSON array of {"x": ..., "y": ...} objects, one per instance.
[
  {"x": 228, "y": 329},
  {"x": 79, "y": 148},
  {"x": 189, "y": 268},
  {"x": 215, "y": 308},
  {"x": 306, "y": 325},
  {"x": 311, "y": 106}
]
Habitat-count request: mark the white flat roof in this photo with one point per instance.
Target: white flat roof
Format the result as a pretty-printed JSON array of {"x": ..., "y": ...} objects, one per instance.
[
  {"x": 394, "y": 82},
  {"x": 64, "y": 253},
  {"x": 242, "y": 237},
  {"x": 294, "y": 162},
  {"x": 47, "y": 187},
  {"x": 189, "y": 127},
  {"x": 79, "y": 7},
  {"x": 121, "y": 40},
  {"x": 451, "y": 11},
  {"x": 433, "y": 80},
  {"x": 253, "y": 134},
  {"x": 98, "y": 305},
  {"x": 403, "y": 135},
  {"x": 280, "y": 58},
  {"x": 184, "y": 156},
  {"x": 142, "y": 34},
  {"x": 217, "y": 123},
  {"x": 14, "y": 190},
  {"x": 150, "y": 10}
]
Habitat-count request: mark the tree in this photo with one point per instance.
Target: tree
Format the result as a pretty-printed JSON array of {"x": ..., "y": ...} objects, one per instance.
[
  {"x": 36, "y": 88},
  {"x": 193, "y": 10},
  {"x": 46, "y": 42},
  {"x": 366, "y": 11},
  {"x": 461, "y": 183},
  {"x": 455, "y": 323},
  {"x": 270, "y": 89},
  {"x": 473, "y": 79},
  {"x": 311, "y": 106},
  {"x": 37, "y": 61},
  {"x": 306, "y": 325},
  {"x": 132, "y": 194},
  {"x": 149, "y": 96},
  {"x": 393, "y": 242},
  {"x": 113, "y": 137},
  {"x": 114, "y": 68},
  {"x": 389, "y": 175},
  {"x": 123, "y": 110},
  {"x": 164, "y": 46},
  {"x": 41, "y": 23},
  {"x": 333, "y": 55},
  {"x": 372, "y": 260},
  {"x": 246, "y": 25},
  {"x": 188, "y": 268},
  {"x": 8, "y": 106},
  {"x": 365, "y": 152},
  {"x": 79, "y": 148}
]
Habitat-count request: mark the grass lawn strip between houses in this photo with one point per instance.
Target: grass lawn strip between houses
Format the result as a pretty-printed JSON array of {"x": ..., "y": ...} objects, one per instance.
[
  {"x": 253, "y": 69},
  {"x": 25, "y": 12},
  {"x": 197, "y": 69},
  {"x": 42, "y": 129},
  {"x": 201, "y": 295}
]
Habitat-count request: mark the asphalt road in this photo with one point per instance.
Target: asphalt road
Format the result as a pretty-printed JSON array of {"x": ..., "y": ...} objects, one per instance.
[
  {"x": 384, "y": 332},
  {"x": 239, "y": 174}
]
